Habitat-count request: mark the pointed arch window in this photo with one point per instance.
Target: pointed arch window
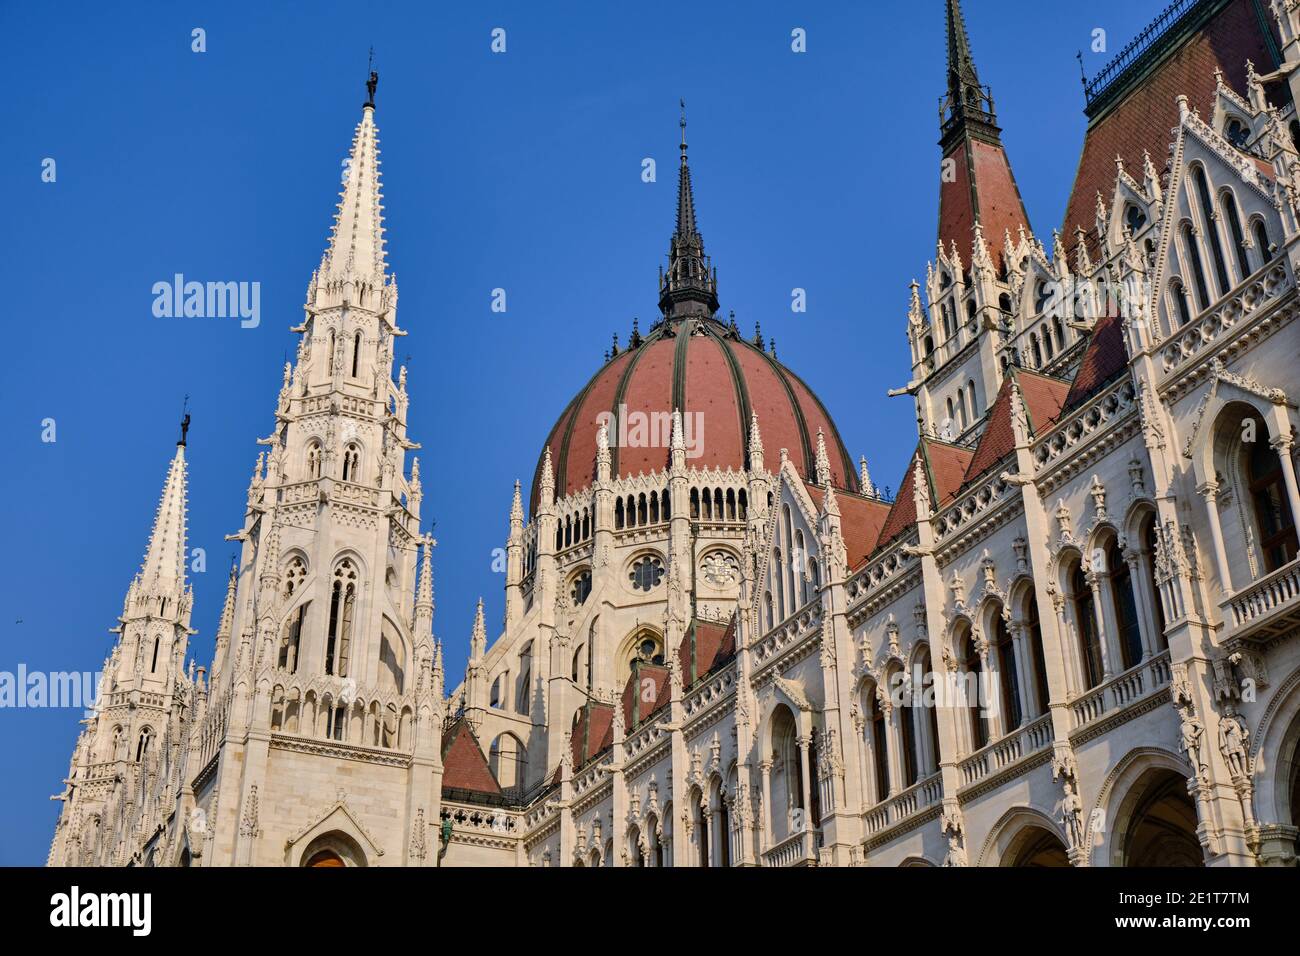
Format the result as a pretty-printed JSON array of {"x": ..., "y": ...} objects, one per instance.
[
  {"x": 142, "y": 745},
  {"x": 356, "y": 354},
  {"x": 1261, "y": 240},
  {"x": 1238, "y": 237},
  {"x": 1134, "y": 218},
  {"x": 1085, "y": 620},
  {"x": 352, "y": 462},
  {"x": 313, "y": 460},
  {"x": 1209, "y": 218},
  {"x": 973, "y": 666},
  {"x": 1125, "y": 605},
  {"x": 291, "y": 639},
  {"x": 1008, "y": 674},
  {"x": 1193, "y": 252},
  {"x": 153, "y": 666},
  {"x": 524, "y": 692},
  {"x": 1273, "y": 518},
  {"x": 342, "y": 607},
  {"x": 1182, "y": 304},
  {"x": 879, "y": 746}
]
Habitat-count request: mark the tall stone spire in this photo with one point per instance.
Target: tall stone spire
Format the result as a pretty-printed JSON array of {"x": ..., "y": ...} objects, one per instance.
[
  {"x": 163, "y": 572},
  {"x": 976, "y": 185},
  {"x": 356, "y": 244},
  {"x": 690, "y": 286}
]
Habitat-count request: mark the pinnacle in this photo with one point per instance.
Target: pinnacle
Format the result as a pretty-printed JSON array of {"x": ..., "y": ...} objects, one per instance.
[{"x": 163, "y": 570}]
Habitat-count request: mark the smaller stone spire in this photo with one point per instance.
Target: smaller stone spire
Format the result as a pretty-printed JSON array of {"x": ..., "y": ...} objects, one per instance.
[
  {"x": 823, "y": 461},
  {"x": 755, "y": 443},
  {"x": 602, "y": 452},
  {"x": 478, "y": 636},
  {"x": 424, "y": 586},
  {"x": 920, "y": 489},
  {"x": 547, "y": 484},
  {"x": 864, "y": 478},
  {"x": 227, "y": 620},
  {"x": 516, "y": 508},
  {"x": 163, "y": 570}
]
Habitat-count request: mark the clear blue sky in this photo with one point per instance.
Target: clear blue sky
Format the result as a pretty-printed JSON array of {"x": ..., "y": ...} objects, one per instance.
[{"x": 519, "y": 171}]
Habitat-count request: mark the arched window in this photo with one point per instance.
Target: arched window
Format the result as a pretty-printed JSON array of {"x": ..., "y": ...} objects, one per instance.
[
  {"x": 142, "y": 745},
  {"x": 800, "y": 559},
  {"x": 313, "y": 460},
  {"x": 1261, "y": 240},
  {"x": 1134, "y": 218},
  {"x": 153, "y": 667},
  {"x": 1059, "y": 331},
  {"x": 343, "y": 597},
  {"x": 1085, "y": 620},
  {"x": 1034, "y": 634},
  {"x": 1234, "y": 229},
  {"x": 1209, "y": 223},
  {"x": 352, "y": 462},
  {"x": 768, "y": 620},
  {"x": 907, "y": 735},
  {"x": 291, "y": 638},
  {"x": 1008, "y": 674},
  {"x": 1193, "y": 252},
  {"x": 1181, "y": 303},
  {"x": 1236, "y": 132},
  {"x": 778, "y": 573},
  {"x": 507, "y": 761},
  {"x": 970, "y": 392},
  {"x": 1149, "y": 561},
  {"x": 618, "y": 513},
  {"x": 879, "y": 744},
  {"x": 1268, "y": 495},
  {"x": 494, "y": 699},
  {"x": 1036, "y": 349},
  {"x": 927, "y": 346},
  {"x": 973, "y": 669},
  {"x": 579, "y": 658},
  {"x": 329, "y": 357},
  {"x": 580, "y": 589},
  {"x": 356, "y": 354},
  {"x": 524, "y": 692},
  {"x": 1124, "y": 599},
  {"x": 1047, "y": 342}
]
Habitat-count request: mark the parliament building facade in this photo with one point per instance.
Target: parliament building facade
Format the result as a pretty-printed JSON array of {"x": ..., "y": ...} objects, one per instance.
[{"x": 1072, "y": 638}]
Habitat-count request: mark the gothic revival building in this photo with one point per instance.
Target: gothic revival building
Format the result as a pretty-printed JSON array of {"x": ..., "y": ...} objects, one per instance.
[{"x": 1072, "y": 639}]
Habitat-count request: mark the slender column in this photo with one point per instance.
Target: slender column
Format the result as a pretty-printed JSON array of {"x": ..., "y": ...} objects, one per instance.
[
  {"x": 1101, "y": 619},
  {"x": 1210, "y": 491},
  {"x": 1282, "y": 445},
  {"x": 991, "y": 690},
  {"x": 1146, "y": 618},
  {"x": 1019, "y": 647},
  {"x": 765, "y": 769},
  {"x": 805, "y": 783}
]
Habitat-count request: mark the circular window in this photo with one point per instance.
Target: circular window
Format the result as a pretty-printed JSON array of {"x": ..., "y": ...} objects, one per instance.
[
  {"x": 646, "y": 573},
  {"x": 649, "y": 649},
  {"x": 720, "y": 569},
  {"x": 580, "y": 589}
]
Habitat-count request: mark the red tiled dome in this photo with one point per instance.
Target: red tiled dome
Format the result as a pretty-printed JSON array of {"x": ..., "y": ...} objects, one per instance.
[{"x": 700, "y": 366}]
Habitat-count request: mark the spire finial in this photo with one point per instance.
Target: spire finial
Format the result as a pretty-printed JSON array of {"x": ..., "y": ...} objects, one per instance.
[
  {"x": 185, "y": 420},
  {"x": 682, "y": 123},
  {"x": 372, "y": 82}
]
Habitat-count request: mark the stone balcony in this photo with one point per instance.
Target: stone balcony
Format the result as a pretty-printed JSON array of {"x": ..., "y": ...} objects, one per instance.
[
  {"x": 792, "y": 851},
  {"x": 1266, "y": 609},
  {"x": 902, "y": 811},
  {"x": 1007, "y": 756},
  {"x": 1121, "y": 698}
]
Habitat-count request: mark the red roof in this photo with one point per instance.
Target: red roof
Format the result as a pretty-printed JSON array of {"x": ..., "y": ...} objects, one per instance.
[
  {"x": 463, "y": 765},
  {"x": 1043, "y": 397},
  {"x": 982, "y": 187},
  {"x": 1104, "y": 358},
  {"x": 945, "y": 467},
  {"x": 861, "y": 520},
  {"x": 705, "y": 369},
  {"x": 707, "y": 645},
  {"x": 1142, "y": 117}
]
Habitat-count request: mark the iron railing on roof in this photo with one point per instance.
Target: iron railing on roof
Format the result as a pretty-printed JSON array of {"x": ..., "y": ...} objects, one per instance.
[{"x": 1140, "y": 45}]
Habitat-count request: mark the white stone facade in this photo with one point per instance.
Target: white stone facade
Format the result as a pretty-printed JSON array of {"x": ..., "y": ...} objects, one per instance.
[{"x": 1119, "y": 580}]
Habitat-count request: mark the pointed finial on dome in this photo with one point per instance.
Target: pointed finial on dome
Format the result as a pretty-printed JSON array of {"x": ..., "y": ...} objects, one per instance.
[
  {"x": 602, "y": 451},
  {"x": 758, "y": 336}
]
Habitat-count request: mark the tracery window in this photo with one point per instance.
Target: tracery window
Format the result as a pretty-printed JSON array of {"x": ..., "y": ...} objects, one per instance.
[
  {"x": 342, "y": 607},
  {"x": 291, "y": 639},
  {"x": 647, "y": 571},
  {"x": 580, "y": 589}
]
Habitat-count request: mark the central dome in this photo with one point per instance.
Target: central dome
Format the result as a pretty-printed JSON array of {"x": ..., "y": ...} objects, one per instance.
[
  {"x": 692, "y": 362},
  {"x": 703, "y": 367}
]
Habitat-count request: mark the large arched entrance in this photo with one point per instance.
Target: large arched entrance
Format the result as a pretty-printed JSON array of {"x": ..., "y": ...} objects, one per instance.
[
  {"x": 333, "y": 849},
  {"x": 1159, "y": 821},
  {"x": 1036, "y": 847}
]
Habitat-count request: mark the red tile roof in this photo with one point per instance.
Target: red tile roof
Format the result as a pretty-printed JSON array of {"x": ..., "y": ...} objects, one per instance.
[
  {"x": 861, "y": 520},
  {"x": 993, "y": 199},
  {"x": 1043, "y": 398},
  {"x": 1104, "y": 359},
  {"x": 463, "y": 765},
  {"x": 1142, "y": 118},
  {"x": 707, "y": 645},
  {"x": 945, "y": 467}
]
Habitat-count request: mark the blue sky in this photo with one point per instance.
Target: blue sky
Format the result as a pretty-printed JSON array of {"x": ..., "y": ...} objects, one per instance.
[{"x": 518, "y": 170}]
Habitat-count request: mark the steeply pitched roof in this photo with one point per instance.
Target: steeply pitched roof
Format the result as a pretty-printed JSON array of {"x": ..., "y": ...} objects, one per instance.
[
  {"x": 707, "y": 645},
  {"x": 861, "y": 520},
  {"x": 463, "y": 765},
  {"x": 1104, "y": 359},
  {"x": 945, "y": 467},
  {"x": 1043, "y": 397}
]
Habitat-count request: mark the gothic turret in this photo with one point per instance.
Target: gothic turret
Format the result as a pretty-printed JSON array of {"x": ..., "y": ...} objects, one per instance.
[{"x": 976, "y": 183}]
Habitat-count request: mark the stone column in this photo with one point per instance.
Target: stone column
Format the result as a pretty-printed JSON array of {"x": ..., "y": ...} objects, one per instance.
[
  {"x": 1024, "y": 672},
  {"x": 765, "y": 770},
  {"x": 1282, "y": 445},
  {"x": 805, "y": 784},
  {"x": 1109, "y": 654},
  {"x": 1210, "y": 491}
]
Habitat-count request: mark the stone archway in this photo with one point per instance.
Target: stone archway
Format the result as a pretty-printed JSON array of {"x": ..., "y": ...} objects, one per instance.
[
  {"x": 333, "y": 849},
  {"x": 1157, "y": 820}
]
